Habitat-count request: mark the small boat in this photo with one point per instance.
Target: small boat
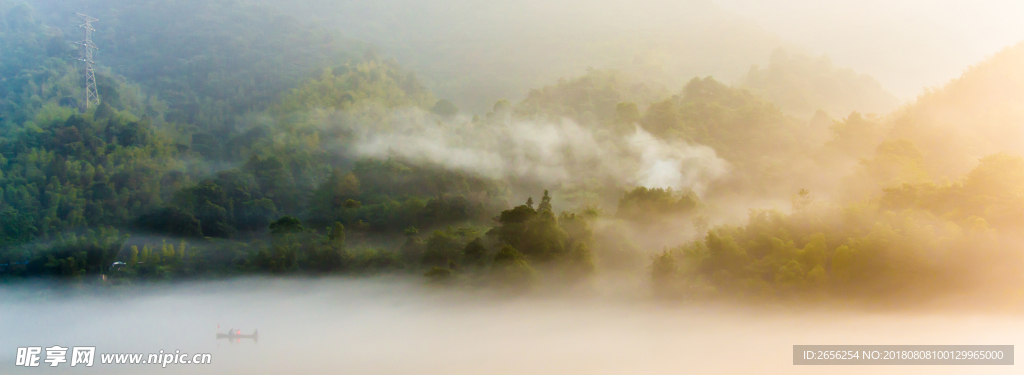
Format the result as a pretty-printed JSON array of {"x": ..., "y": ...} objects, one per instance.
[{"x": 237, "y": 335}]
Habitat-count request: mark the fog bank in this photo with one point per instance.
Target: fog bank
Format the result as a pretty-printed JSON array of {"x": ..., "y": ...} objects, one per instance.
[{"x": 387, "y": 326}]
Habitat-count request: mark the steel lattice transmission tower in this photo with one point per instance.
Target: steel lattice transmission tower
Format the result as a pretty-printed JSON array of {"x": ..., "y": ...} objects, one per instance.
[{"x": 91, "y": 95}]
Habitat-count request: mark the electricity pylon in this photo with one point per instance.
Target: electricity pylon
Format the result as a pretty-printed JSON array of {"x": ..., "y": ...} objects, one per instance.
[{"x": 91, "y": 95}]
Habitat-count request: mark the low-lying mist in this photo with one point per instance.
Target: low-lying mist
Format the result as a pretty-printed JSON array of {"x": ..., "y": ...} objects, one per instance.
[
  {"x": 534, "y": 152},
  {"x": 394, "y": 326}
]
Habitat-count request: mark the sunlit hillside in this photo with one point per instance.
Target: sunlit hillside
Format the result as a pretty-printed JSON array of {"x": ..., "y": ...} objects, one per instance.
[{"x": 978, "y": 114}]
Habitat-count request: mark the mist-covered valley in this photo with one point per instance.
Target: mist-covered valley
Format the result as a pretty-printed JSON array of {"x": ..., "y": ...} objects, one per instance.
[{"x": 541, "y": 187}]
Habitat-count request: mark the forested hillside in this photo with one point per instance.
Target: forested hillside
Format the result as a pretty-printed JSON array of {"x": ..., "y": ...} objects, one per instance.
[
  {"x": 233, "y": 139},
  {"x": 934, "y": 206},
  {"x": 223, "y": 135},
  {"x": 210, "y": 60}
]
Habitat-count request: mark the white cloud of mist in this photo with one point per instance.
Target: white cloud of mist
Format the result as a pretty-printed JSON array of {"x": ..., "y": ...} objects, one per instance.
[
  {"x": 549, "y": 153},
  {"x": 676, "y": 164}
]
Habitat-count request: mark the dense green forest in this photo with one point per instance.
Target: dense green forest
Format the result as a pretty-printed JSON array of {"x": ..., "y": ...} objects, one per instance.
[{"x": 243, "y": 141}]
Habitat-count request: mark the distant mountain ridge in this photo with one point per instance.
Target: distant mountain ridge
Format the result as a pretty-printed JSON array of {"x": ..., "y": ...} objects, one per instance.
[{"x": 801, "y": 85}]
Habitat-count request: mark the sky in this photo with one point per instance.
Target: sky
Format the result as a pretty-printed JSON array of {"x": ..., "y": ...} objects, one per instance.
[{"x": 907, "y": 45}]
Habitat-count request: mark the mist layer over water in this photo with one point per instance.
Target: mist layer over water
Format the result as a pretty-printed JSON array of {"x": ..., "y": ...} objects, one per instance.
[{"x": 387, "y": 326}]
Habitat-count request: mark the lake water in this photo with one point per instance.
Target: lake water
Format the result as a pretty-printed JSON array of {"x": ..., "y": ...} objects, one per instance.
[{"x": 396, "y": 326}]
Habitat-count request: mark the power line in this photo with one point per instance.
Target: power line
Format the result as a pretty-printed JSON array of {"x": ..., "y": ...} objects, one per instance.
[{"x": 87, "y": 46}]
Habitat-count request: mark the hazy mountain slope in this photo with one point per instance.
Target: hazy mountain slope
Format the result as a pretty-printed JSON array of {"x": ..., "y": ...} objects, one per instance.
[
  {"x": 978, "y": 114},
  {"x": 802, "y": 85},
  {"x": 40, "y": 74},
  {"x": 210, "y": 59},
  {"x": 477, "y": 52}
]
